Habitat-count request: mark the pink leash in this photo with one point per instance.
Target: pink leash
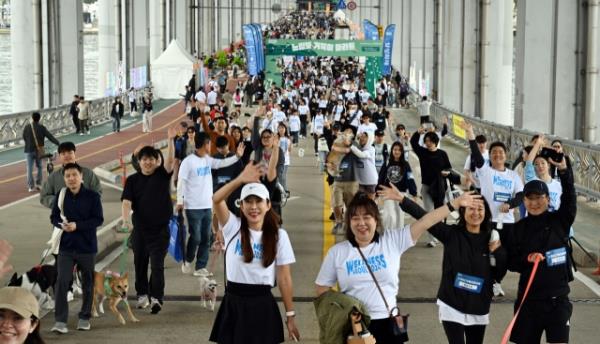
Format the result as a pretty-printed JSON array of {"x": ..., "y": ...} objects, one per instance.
[{"x": 509, "y": 329}]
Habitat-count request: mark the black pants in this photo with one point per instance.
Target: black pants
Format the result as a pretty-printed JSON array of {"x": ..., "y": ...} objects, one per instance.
[
  {"x": 303, "y": 119},
  {"x": 316, "y": 137},
  {"x": 425, "y": 119},
  {"x": 76, "y": 122},
  {"x": 457, "y": 333},
  {"x": 65, "y": 263},
  {"x": 551, "y": 315},
  {"x": 150, "y": 246},
  {"x": 132, "y": 106}
]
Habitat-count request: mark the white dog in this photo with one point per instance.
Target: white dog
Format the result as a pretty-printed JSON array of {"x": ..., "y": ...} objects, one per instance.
[{"x": 208, "y": 292}]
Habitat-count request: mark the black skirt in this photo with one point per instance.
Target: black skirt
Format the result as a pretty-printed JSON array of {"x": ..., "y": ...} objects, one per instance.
[
  {"x": 248, "y": 314},
  {"x": 381, "y": 330}
]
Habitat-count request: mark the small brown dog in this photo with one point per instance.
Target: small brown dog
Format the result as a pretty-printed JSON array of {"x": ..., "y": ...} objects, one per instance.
[{"x": 114, "y": 287}]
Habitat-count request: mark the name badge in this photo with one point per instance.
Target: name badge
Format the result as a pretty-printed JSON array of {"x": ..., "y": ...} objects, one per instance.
[
  {"x": 344, "y": 165},
  {"x": 223, "y": 179},
  {"x": 556, "y": 257},
  {"x": 501, "y": 197},
  {"x": 469, "y": 283}
]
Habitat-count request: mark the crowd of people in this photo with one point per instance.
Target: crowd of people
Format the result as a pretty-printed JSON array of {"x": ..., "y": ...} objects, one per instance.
[{"x": 230, "y": 175}]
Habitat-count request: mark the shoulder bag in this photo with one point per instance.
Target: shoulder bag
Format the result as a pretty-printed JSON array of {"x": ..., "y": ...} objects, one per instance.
[
  {"x": 398, "y": 323},
  {"x": 54, "y": 241},
  {"x": 40, "y": 152}
]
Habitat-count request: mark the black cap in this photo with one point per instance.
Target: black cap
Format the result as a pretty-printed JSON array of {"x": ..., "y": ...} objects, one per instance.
[
  {"x": 379, "y": 132},
  {"x": 536, "y": 187}
]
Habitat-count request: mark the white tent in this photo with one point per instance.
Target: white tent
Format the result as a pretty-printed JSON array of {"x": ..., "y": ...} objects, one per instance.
[{"x": 171, "y": 71}]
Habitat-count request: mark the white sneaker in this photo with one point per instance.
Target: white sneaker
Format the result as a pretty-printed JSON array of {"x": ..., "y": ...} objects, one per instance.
[
  {"x": 186, "y": 267},
  {"x": 70, "y": 296},
  {"x": 498, "y": 292},
  {"x": 60, "y": 327},
  {"x": 202, "y": 273},
  {"x": 142, "y": 302}
]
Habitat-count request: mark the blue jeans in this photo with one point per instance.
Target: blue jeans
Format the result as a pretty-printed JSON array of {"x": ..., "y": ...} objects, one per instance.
[
  {"x": 31, "y": 158},
  {"x": 116, "y": 123},
  {"x": 199, "y": 221}
]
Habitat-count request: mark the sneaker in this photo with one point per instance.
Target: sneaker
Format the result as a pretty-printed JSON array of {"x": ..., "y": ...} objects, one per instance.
[
  {"x": 83, "y": 325},
  {"x": 186, "y": 267},
  {"x": 60, "y": 327},
  {"x": 332, "y": 216},
  {"x": 337, "y": 228},
  {"x": 88, "y": 133},
  {"x": 70, "y": 296},
  {"x": 31, "y": 189},
  {"x": 143, "y": 302},
  {"x": 81, "y": 134},
  {"x": 202, "y": 273},
  {"x": 498, "y": 292},
  {"x": 432, "y": 243},
  {"x": 156, "y": 306}
]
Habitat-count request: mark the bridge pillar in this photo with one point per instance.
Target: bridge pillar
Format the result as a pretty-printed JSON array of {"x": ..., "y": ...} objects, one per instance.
[
  {"x": 496, "y": 61},
  {"x": 544, "y": 77},
  {"x": 451, "y": 63},
  {"x": 21, "y": 39},
  {"x": 156, "y": 12},
  {"x": 106, "y": 44}
]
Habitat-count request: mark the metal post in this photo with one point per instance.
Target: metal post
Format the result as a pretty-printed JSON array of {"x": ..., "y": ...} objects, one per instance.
[
  {"x": 37, "y": 54},
  {"x": 591, "y": 103},
  {"x": 485, "y": 8}
]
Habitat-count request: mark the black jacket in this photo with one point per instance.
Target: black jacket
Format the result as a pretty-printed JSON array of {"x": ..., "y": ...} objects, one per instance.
[
  {"x": 114, "y": 113},
  {"x": 41, "y": 133},
  {"x": 542, "y": 233},
  {"x": 405, "y": 183},
  {"x": 85, "y": 209},
  {"x": 432, "y": 163},
  {"x": 464, "y": 253}
]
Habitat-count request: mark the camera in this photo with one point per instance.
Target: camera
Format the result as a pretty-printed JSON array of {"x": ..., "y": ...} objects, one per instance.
[{"x": 549, "y": 153}]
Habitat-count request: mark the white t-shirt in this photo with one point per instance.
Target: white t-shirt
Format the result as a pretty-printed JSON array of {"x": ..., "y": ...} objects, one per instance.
[
  {"x": 423, "y": 108},
  {"x": 201, "y": 96},
  {"x": 131, "y": 96},
  {"x": 338, "y": 112},
  {"x": 284, "y": 144},
  {"x": 499, "y": 187},
  {"x": 318, "y": 124},
  {"x": 294, "y": 123},
  {"x": 195, "y": 187},
  {"x": 356, "y": 121},
  {"x": 486, "y": 161},
  {"x": 322, "y": 103},
  {"x": 303, "y": 109},
  {"x": 344, "y": 265},
  {"x": 211, "y": 98},
  {"x": 254, "y": 272},
  {"x": 367, "y": 128},
  {"x": 279, "y": 116},
  {"x": 364, "y": 96}
]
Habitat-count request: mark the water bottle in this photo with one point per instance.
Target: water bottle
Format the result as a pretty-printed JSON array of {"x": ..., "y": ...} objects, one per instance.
[{"x": 494, "y": 237}]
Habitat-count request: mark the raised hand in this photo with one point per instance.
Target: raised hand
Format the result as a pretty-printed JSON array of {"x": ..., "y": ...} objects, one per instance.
[
  {"x": 240, "y": 150},
  {"x": 467, "y": 199},
  {"x": 390, "y": 193},
  {"x": 561, "y": 166},
  {"x": 251, "y": 173},
  {"x": 171, "y": 133}
]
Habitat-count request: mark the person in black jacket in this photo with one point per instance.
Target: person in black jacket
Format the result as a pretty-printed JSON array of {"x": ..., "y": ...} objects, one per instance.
[
  {"x": 396, "y": 171},
  {"x": 117, "y": 113},
  {"x": 81, "y": 215},
  {"x": 34, "y": 136},
  {"x": 435, "y": 167},
  {"x": 473, "y": 257},
  {"x": 74, "y": 112},
  {"x": 543, "y": 235}
]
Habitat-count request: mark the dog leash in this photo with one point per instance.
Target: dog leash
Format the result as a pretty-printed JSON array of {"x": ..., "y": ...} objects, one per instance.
[
  {"x": 123, "y": 257},
  {"x": 509, "y": 329}
]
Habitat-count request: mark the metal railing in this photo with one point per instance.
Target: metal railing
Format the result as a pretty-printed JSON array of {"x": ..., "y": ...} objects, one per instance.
[
  {"x": 57, "y": 120},
  {"x": 585, "y": 157}
]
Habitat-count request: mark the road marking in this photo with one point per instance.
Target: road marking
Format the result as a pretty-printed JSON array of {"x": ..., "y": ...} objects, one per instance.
[
  {"x": 328, "y": 238},
  {"x": 588, "y": 282},
  {"x": 19, "y": 201},
  {"x": 112, "y": 146},
  {"x": 293, "y": 198}
]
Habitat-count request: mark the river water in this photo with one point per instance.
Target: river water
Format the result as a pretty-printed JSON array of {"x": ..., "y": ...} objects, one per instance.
[{"x": 90, "y": 70}]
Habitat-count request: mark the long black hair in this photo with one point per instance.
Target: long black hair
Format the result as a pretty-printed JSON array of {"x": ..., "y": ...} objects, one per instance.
[{"x": 270, "y": 237}]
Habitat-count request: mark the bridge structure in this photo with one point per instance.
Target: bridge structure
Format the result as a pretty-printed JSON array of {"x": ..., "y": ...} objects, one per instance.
[{"x": 511, "y": 69}]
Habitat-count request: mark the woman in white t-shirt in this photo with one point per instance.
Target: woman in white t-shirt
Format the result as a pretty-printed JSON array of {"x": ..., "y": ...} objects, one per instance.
[
  {"x": 538, "y": 167},
  {"x": 257, "y": 254},
  {"x": 345, "y": 265},
  {"x": 285, "y": 143},
  {"x": 318, "y": 124}
]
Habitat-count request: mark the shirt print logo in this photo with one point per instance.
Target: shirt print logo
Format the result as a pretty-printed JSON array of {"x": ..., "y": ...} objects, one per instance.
[
  {"x": 357, "y": 266},
  {"x": 504, "y": 183},
  {"x": 203, "y": 171},
  {"x": 257, "y": 249}
]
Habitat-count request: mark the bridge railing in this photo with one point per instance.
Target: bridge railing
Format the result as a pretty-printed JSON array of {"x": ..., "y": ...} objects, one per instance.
[
  {"x": 57, "y": 120},
  {"x": 585, "y": 157}
]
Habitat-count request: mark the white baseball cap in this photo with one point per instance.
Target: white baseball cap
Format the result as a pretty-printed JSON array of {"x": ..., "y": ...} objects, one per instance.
[{"x": 255, "y": 189}]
